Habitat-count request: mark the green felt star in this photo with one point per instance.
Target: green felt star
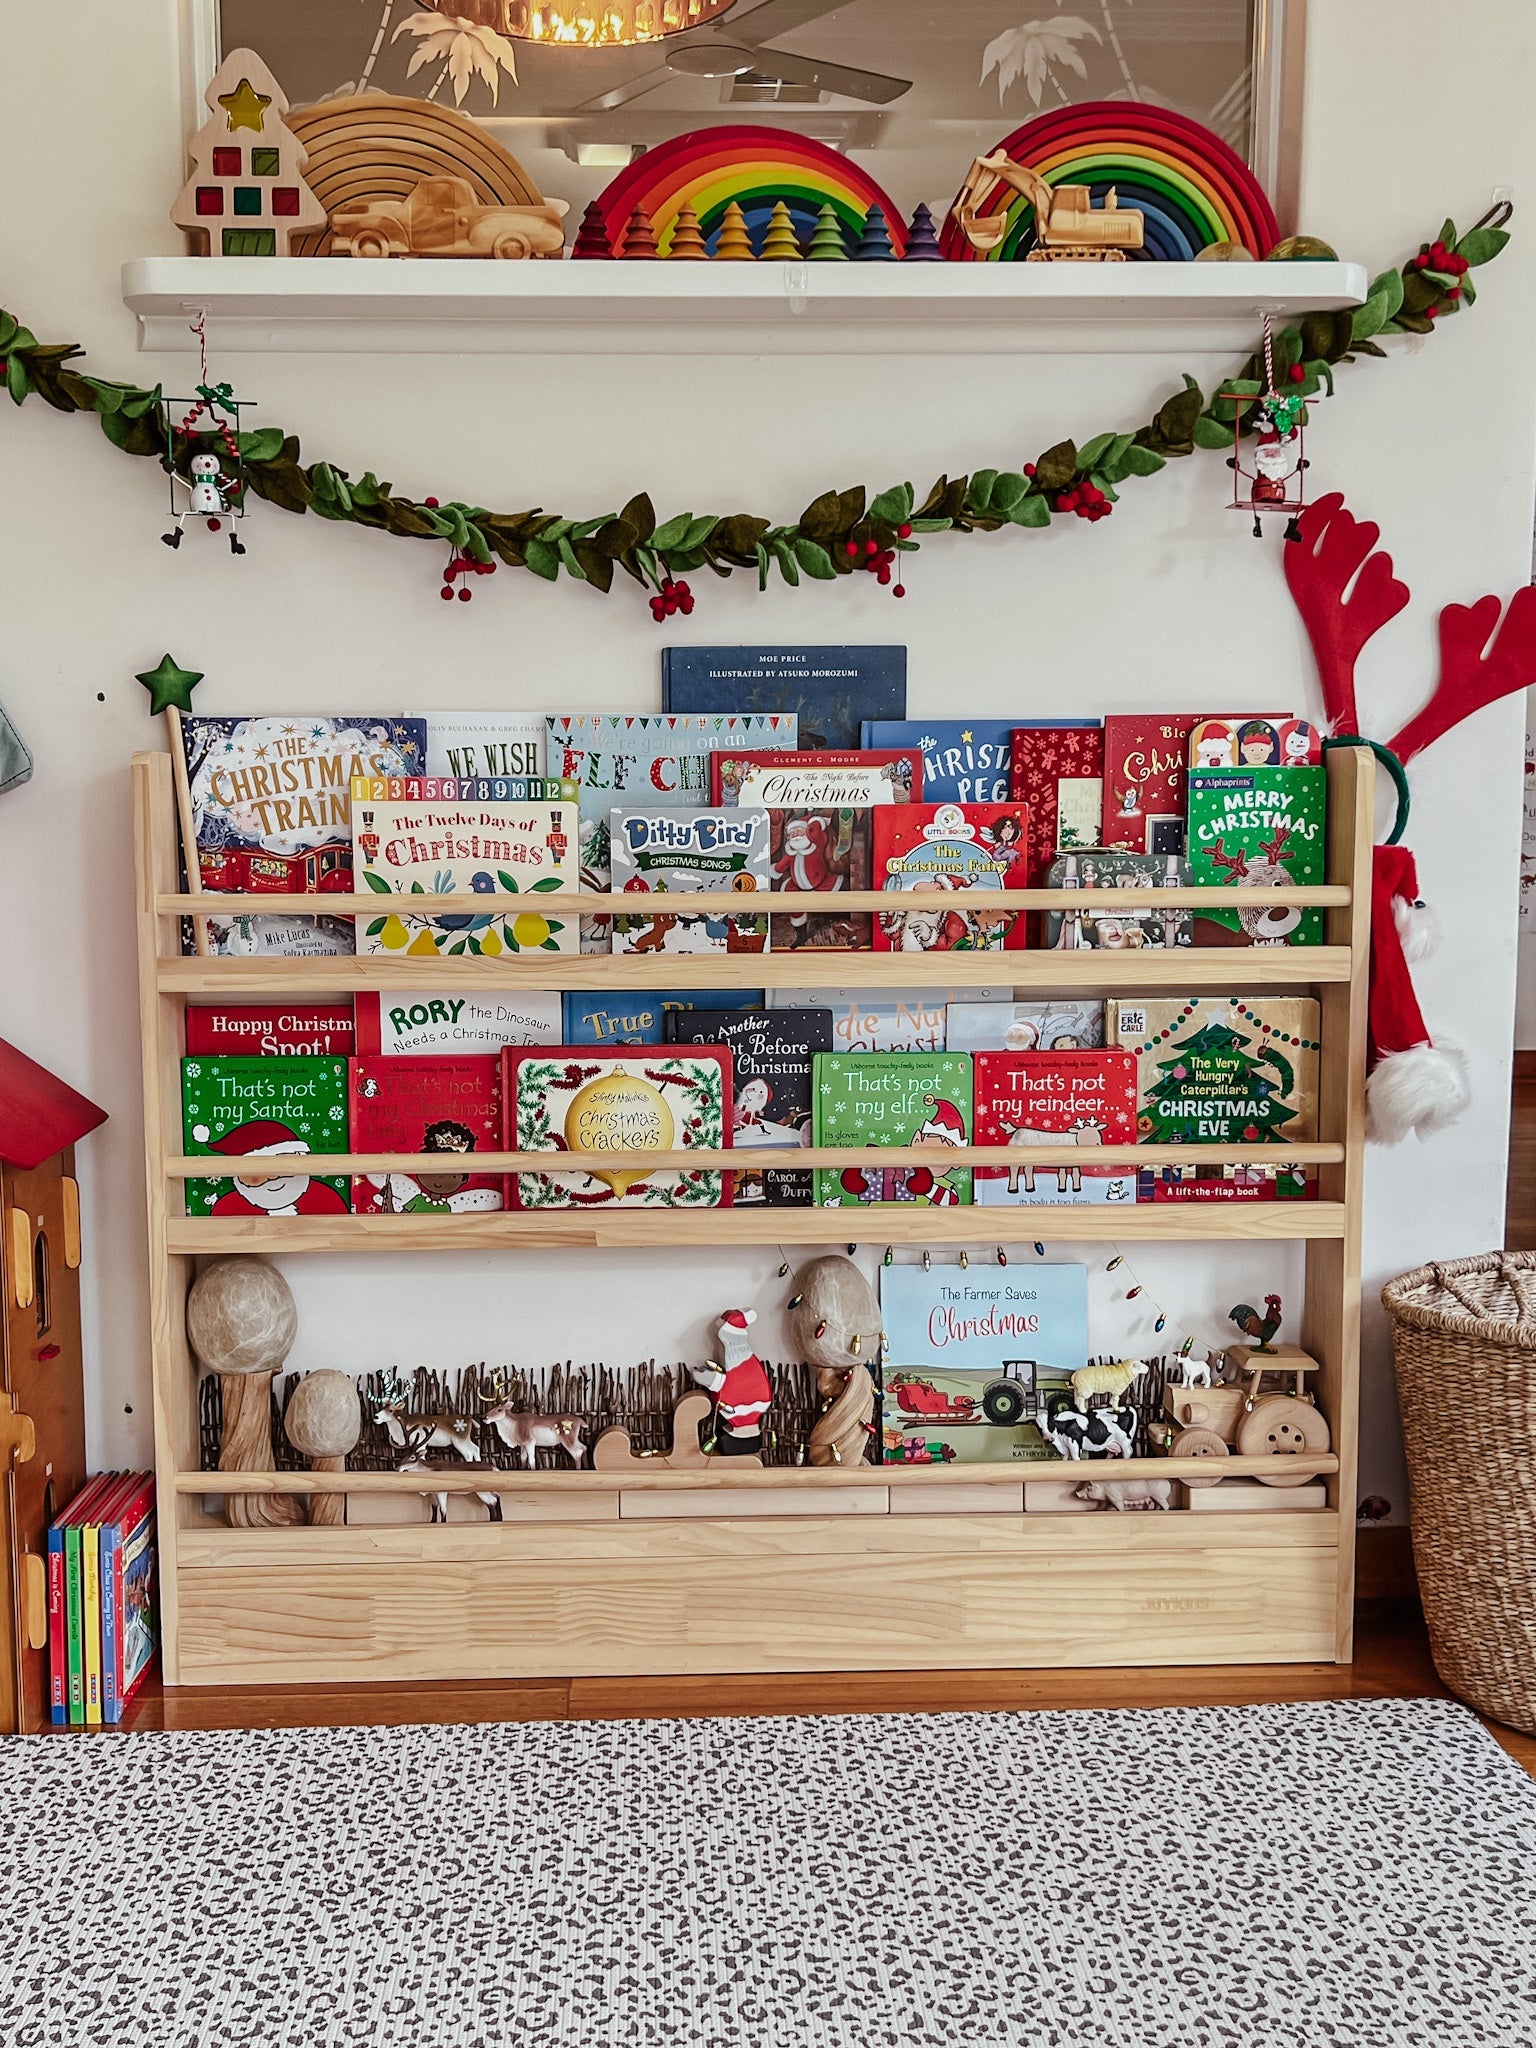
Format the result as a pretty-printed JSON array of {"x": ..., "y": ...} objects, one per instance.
[{"x": 169, "y": 685}]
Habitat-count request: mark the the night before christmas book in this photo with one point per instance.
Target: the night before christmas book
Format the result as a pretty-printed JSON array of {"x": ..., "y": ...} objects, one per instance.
[{"x": 771, "y": 1053}]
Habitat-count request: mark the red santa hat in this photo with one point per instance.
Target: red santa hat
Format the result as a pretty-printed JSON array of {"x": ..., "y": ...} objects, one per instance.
[
  {"x": 738, "y": 1319},
  {"x": 251, "y": 1140},
  {"x": 945, "y": 1122}
]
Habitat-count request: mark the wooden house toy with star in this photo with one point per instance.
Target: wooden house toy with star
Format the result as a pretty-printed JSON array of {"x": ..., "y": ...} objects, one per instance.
[{"x": 246, "y": 195}]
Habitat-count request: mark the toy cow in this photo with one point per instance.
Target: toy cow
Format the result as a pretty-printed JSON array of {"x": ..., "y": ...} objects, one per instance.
[
  {"x": 1103, "y": 1433},
  {"x": 740, "y": 1385}
]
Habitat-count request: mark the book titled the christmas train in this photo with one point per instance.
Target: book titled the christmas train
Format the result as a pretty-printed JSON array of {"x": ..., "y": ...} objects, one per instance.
[
  {"x": 1258, "y": 828},
  {"x": 976, "y": 847},
  {"x": 1115, "y": 930},
  {"x": 1222, "y": 1069},
  {"x": 437, "y": 1104},
  {"x": 244, "y": 1110},
  {"x": 678, "y": 853},
  {"x": 771, "y": 1054},
  {"x": 892, "y": 1099},
  {"x": 271, "y": 815},
  {"x": 1081, "y": 1099},
  {"x": 624, "y": 1104},
  {"x": 430, "y": 836}
]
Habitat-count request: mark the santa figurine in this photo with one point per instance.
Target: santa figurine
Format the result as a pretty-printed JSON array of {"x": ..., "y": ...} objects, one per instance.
[
  {"x": 257, "y": 1194},
  {"x": 740, "y": 1385},
  {"x": 1277, "y": 449}
]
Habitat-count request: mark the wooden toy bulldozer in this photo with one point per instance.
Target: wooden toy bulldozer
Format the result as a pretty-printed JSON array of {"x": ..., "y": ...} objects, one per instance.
[{"x": 1069, "y": 228}]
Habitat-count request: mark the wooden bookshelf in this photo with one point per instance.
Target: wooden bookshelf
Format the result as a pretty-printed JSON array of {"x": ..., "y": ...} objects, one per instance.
[{"x": 622, "y": 1574}]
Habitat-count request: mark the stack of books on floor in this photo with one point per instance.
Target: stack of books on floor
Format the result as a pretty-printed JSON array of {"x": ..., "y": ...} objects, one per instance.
[{"x": 102, "y": 1627}]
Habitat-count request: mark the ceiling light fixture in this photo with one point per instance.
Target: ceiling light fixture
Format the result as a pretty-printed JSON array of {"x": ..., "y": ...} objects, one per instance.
[{"x": 606, "y": 24}]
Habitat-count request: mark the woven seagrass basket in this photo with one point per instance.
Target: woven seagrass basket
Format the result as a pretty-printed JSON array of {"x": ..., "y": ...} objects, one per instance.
[{"x": 1464, "y": 1341}]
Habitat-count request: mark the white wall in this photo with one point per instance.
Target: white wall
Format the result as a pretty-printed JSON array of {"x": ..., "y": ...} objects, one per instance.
[{"x": 1169, "y": 603}]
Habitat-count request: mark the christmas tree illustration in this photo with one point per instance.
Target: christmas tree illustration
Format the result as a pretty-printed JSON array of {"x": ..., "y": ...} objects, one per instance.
[
  {"x": 1213, "y": 1087},
  {"x": 246, "y": 195}
]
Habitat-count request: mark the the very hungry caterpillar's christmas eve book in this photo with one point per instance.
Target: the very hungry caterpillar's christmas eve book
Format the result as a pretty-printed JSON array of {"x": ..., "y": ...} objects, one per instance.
[
  {"x": 892, "y": 1099},
  {"x": 570, "y": 1099},
  {"x": 244, "y": 1110}
]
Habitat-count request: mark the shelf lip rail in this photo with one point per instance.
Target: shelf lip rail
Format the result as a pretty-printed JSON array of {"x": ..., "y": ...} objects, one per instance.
[{"x": 690, "y": 903}]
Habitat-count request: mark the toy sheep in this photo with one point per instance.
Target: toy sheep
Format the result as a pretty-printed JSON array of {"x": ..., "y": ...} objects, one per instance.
[
  {"x": 1127, "y": 1494},
  {"x": 1115, "y": 1380}
]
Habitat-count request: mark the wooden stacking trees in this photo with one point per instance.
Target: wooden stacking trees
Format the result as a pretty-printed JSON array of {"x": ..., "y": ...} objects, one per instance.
[
  {"x": 781, "y": 244},
  {"x": 639, "y": 243},
  {"x": 922, "y": 238},
  {"x": 875, "y": 242},
  {"x": 828, "y": 244},
  {"x": 592, "y": 243},
  {"x": 735, "y": 242},
  {"x": 246, "y": 195},
  {"x": 687, "y": 244}
]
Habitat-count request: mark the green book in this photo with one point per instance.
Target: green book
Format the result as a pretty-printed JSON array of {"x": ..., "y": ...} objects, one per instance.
[
  {"x": 893, "y": 1098},
  {"x": 245, "y": 1109},
  {"x": 1258, "y": 828}
]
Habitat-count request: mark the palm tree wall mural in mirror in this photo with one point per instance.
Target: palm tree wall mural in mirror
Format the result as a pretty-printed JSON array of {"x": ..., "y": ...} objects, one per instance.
[{"x": 912, "y": 90}]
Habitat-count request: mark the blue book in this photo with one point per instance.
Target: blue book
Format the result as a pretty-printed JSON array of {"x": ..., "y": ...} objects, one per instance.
[
  {"x": 983, "y": 1318},
  {"x": 965, "y": 760},
  {"x": 831, "y": 690},
  {"x": 638, "y": 1016}
]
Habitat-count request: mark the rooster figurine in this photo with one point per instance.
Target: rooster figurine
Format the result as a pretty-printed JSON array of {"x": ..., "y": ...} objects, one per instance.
[{"x": 1265, "y": 1327}]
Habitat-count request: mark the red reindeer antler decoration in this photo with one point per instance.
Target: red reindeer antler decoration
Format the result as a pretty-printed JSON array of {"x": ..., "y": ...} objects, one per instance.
[
  {"x": 1334, "y": 551},
  {"x": 1478, "y": 665}
]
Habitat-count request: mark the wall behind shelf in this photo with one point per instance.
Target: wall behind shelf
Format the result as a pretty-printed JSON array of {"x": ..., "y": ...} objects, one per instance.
[{"x": 1168, "y": 603}]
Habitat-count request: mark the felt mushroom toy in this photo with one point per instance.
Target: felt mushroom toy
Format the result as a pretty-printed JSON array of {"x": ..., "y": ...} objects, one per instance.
[
  {"x": 835, "y": 1322},
  {"x": 241, "y": 1323},
  {"x": 323, "y": 1423}
]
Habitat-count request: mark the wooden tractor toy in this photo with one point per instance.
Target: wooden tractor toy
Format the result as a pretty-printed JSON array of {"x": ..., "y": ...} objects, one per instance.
[{"x": 1255, "y": 1419}]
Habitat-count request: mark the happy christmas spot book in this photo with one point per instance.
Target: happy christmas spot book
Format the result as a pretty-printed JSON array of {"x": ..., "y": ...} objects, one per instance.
[
  {"x": 965, "y": 760},
  {"x": 771, "y": 1054},
  {"x": 268, "y": 1028},
  {"x": 678, "y": 853},
  {"x": 442, "y": 1104},
  {"x": 271, "y": 814},
  {"x": 639, "y": 1016},
  {"x": 1258, "y": 828},
  {"x": 884, "y": 1019},
  {"x": 1118, "y": 930},
  {"x": 457, "y": 839},
  {"x": 242, "y": 1109},
  {"x": 885, "y": 1099},
  {"x": 1222, "y": 1069},
  {"x": 456, "y": 1022},
  {"x": 572, "y": 1099},
  {"x": 975, "y": 847},
  {"x": 1058, "y": 771},
  {"x": 1042, "y": 1024},
  {"x": 1083, "y": 1099},
  {"x": 829, "y": 692}
]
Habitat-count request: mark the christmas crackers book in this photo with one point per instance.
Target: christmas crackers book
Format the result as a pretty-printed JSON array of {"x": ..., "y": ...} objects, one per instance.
[
  {"x": 1258, "y": 828},
  {"x": 1043, "y": 1024},
  {"x": 1058, "y": 771},
  {"x": 1028, "y": 1099},
  {"x": 570, "y": 1099},
  {"x": 415, "y": 837},
  {"x": 1118, "y": 930},
  {"x": 829, "y": 691},
  {"x": 271, "y": 814},
  {"x": 456, "y": 1022},
  {"x": 892, "y": 1099},
  {"x": 439, "y": 1104},
  {"x": 948, "y": 846},
  {"x": 266, "y": 1028},
  {"x": 771, "y": 1054},
  {"x": 884, "y": 1019},
  {"x": 683, "y": 851},
  {"x": 242, "y": 1109}
]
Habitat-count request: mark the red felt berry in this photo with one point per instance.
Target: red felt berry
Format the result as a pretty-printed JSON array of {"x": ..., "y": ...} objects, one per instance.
[
  {"x": 430, "y": 503},
  {"x": 884, "y": 576},
  {"x": 904, "y": 531},
  {"x": 1029, "y": 469},
  {"x": 851, "y": 548},
  {"x": 1297, "y": 374},
  {"x": 871, "y": 547},
  {"x": 1431, "y": 312},
  {"x": 446, "y": 593},
  {"x": 1453, "y": 292},
  {"x": 1068, "y": 501},
  {"x": 900, "y": 590},
  {"x": 465, "y": 595},
  {"x": 687, "y": 606}
]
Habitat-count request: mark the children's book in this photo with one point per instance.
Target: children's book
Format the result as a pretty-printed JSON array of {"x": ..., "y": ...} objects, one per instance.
[
  {"x": 97, "y": 1627},
  {"x": 965, "y": 760},
  {"x": 771, "y": 1053},
  {"x": 619, "y": 760},
  {"x": 134, "y": 1507},
  {"x": 568, "y": 1099},
  {"x": 457, "y": 1022},
  {"x": 1118, "y": 930},
  {"x": 449, "y": 1104},
  {"x": 885, "y": 1099},
  {"x": 459, "y": 842},
  {"x": 467, "y": 744},
  {"x": 829, "y": 691},
  {"x": 1045, "y": 1024},
  {"x": 1254, "y": 743},
  {"x": 1058, "y": 771},
  {"x": 71, "y": 1645},
  {"x": 242, "y": 1109},
  {"x": 1028, "y": 1099},
  {"x": 842, "y": 780},
  {"x": 1145, "y": 761},
  {"x": 976, "y": 1359},
  {"x": 678, "y": 852},
  {"x": 267, "y": 1028},
  {"x": 978, "y": 847},
  {"x": 271, "y": 813},
  {"x": 1258, "y": 828},
  {"x": 884, "y": 1019},
  {"x": 134, "y": 1593},
  {"x": 639, "y": 1016}
]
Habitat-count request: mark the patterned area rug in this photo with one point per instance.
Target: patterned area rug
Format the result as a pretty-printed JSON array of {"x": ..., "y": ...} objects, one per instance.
[{"x": 1324, "y": 1876}]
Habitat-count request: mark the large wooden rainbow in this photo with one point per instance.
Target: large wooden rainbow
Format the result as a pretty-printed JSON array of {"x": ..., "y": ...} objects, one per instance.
[
  {"x": 1192, "y": 189},
  {"x": 757, "y": 167}
]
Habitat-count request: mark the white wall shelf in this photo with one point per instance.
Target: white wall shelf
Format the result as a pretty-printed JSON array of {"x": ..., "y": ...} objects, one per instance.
[{"x": 342, "y": 305}]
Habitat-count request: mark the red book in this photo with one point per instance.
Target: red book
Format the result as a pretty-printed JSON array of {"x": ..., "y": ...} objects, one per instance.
[
  {"x": 261, "y": 1028},
  {"x": 975, "y": 847},
  {"x": 1024, "y": 1099},
  {"x": 1045, "y": 758},
  {"x": 1146, "y": 783},
  {"x": 624, "y": 1101},
  {"x": 450, "y": 1105}
]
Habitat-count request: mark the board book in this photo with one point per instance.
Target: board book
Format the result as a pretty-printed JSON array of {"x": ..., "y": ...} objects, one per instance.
[
  {"x": 892, "y": 1099},
  {"x": 639, "y": 1016},
  {"x": 569, "y": 1099},
  {"x": 456, "y": 1021},
  {"x": 252, "y": 1029},
  {"x": 242, "y": 1109},
  {"x": 1258, "y": 828},
  {"x": 683, "y": 851},
  {"x": 771, "y": 1054},
  {"x": 981, "y": 846},
  {"x": 1118, "y": 930},
  {"x": 1042, "y": 1024},
  {"x": 827, "y": 692},
  {"x": 444, "y": 1104},
  {"x": 1254, "y": 743},
  {"x": 1145, "y": 765},
  {"x": 884, "y": 1019},
  {"x": 1028, "y": 1099},
  {"x": 1058, "y": 771}
]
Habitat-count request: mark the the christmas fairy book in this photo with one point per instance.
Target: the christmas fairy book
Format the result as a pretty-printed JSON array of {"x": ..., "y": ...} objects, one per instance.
[
  {"x": 452, "y": 839},
  {"x": 471, "y": 744},
  {"x": 1058, "y": 771},
  {"x": 771, "y": 1053},
  {"x": 678, "y": 853},
  {"x": 269, "y": 1028},
  {"x": 445, "y": 1104},
  {"x": 1258, "y": 828},
  {"x": 1117, "y": 930},
  {"x": 242, "y": 1110},
  {"x": 975, "y": 847},
  {"x": 884, "y": 1019},
  {"x": 639, "y": 1016},
  {"x": 456, "y": 1022},
  {"x": 829, "y": 691},
  {"x": 623, "y": 1104},
  {"x": 1028, "y": 1099},
  {"x": 886, "y": 1099},
  {"x": 1042, "y": 1024}
]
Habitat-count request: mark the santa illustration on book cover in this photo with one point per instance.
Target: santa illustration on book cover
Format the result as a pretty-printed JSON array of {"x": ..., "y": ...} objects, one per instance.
[{"x": 282, "y": 1194}]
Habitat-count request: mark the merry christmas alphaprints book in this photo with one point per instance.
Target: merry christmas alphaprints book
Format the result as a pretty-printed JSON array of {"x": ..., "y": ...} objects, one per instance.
[
  {"x": 678, "y": 853},
  {"x": 1082, "y": 1099},
  {"x": 976, "y": 847},
  {"x": 440, "y": 1104},
  {"x": 571, "y": 1099},
  {"x": 1258, "y": 828},
  {"x": 771, "y": 1054},
  {"x": 894, "y": 1098},
  {"x": 242, "y": 1110}
]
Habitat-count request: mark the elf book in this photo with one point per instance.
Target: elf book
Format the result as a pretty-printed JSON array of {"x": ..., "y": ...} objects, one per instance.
[
  {"x": 974, "y": 847},
  {"x": 828, "y": 691},
  {"x": 1082, "y": 1099},
  {"x": 623, "y": 1104},
  {"x": 892, "y": 1099},
  {"x": 444, "y": 1104},
  {"x": 681, "y": 852},
  {"x": 1258, "y": 828},
  {"x": 241, "y": 1110},
  {"x": 771, "y": 1054}
]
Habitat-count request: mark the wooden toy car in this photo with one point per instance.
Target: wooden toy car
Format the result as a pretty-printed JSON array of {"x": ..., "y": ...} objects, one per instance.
[
  {"x": 443, "y": 217},
  {"x": 1250, "y": 1419}
]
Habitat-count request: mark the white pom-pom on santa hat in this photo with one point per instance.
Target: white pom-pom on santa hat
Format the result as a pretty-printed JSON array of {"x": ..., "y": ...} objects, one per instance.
[
  {"x": 1417, "y": 927},
  {"x": 1422, "y": 1090}
]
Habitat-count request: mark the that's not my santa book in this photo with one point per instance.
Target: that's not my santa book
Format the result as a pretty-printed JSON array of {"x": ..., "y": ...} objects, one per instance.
[
  {"x": 245, "y": 1111},
  {"x": 434, "y": 1103}
]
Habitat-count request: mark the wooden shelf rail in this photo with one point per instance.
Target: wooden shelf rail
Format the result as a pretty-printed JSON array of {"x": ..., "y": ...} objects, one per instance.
[{"x": 692, "y": 903}]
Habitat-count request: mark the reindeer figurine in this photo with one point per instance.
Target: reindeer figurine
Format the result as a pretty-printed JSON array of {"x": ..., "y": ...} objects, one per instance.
[
  {"x": 414, "y": 1433},
  {"x": 524, "y": 1433}
]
